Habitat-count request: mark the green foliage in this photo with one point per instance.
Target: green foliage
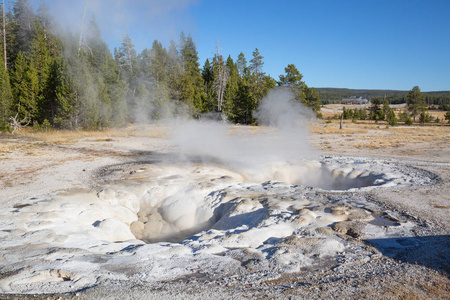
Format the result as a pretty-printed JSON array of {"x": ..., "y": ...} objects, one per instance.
[
  {"x": 403, "y": 117},
  {"x": 347, "y": 113},
  {"x": 25, "y": 86},
  {"x": 447, "y": 116},
  {"x": 444, "y": 106},
  {"x": 72, "y": 82},
  {"x": 6, "y": 97},
  {"x": 335, "y": 95},
  {"x": 425, "y": 117},
  {"x": 376, "y": 112},
  {"x": 293, "y": 79},
  {"x": 415, "y": 102},
  {"x": 192, "y": 92},
  {"x": 391, "y": 118}
]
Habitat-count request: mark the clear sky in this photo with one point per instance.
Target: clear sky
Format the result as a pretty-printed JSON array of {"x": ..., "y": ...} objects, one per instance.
[{"x": 363, "y": 44}]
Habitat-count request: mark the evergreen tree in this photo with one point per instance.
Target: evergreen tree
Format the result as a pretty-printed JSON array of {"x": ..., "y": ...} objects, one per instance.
[
  {"x": 312, "y": 99},
  {"x": 6, "y": 98},
  {"x": 41, "y": 61},
  {"x": 126, "y": 60},
  {"x": 25, "y": 86},
  {"x": 376, "y": 111},
  {"x": 243, "y": 104},
  {"x": 21, "y": 29},
  {"x": 415, "y": 102},
  {"x": 192, "y": 92},
  {"x": 391, "y": 118},
  {"x": 210, "y": 93},
  {"x": 447, "y": 116},
  {"x": 232, "y": 88},
  {"x": 175, "y": 72},
  {"x": 241, "y": 64},
  {"x": 362, "y": 114},
  {"x": 158, "y": 66},
  {"x": 292, "y": 79},
  {"x": 259, "y": 84},
  {"x": 256, "y": 64},
  {"x": 386, "y": 108}
]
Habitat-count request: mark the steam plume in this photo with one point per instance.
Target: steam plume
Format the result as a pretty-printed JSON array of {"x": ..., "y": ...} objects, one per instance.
[{"x": 283, "y": 140}]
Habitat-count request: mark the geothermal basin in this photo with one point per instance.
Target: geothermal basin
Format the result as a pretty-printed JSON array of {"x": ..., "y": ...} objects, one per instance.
[
  {"x": 241, "y": 209},
  {"x": 169, "y": 217}
]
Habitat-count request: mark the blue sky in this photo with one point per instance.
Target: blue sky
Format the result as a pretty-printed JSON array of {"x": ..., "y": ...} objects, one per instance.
[{"x": 365, "y": 44}]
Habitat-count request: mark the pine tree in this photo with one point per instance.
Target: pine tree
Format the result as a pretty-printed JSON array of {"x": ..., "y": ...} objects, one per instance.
[
  {"x": 243, "y": 104},
  {"x": 415, "y": 102},
  {"x": 126, "y": 60},
  {"x": 376, "y": 111},
  {"x": 312, "y": 98},
  {"x": 391, "y": 118},
  {"x": 210, "y": 93},
  {"x": 158, "y": 63},
  {"x": 232, "y": 88},
  {"x": 292, "y": 79},
  {"x": 25, "y": 84},
  {"x": 386, "y": 109},
  {"x": 21, "y": 29},
  {"x": 259, "y": 84},
  {"x": 41, "y": 61},
  {"x": 6, "y": 98},
  {"x": 175, "y": 72},
  {"x": 192, "y": 92},
  {"x": 241, "y": 65},
  {"x": 256, "y": 64}
]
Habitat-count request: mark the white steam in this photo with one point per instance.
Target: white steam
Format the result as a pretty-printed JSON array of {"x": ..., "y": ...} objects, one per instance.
[
  {"x": 258, "y": 152},
  {"x": 160, "y": 19}
]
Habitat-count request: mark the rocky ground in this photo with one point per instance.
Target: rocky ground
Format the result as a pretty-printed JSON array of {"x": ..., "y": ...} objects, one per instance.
[{"x": 415, "y": 265}]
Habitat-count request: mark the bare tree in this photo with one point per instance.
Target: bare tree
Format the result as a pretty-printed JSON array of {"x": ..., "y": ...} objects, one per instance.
[
  {"x": 221, "y": 75},
  {"x": 17, "y": 124},
  {"x": 80, "y": 42}
]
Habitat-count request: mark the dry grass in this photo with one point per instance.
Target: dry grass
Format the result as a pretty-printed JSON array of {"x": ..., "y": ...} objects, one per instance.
[
  {"x": 333, "y": 128},
  {"x": 371, "y": 135},
  {"x": 59, "y": 137}
]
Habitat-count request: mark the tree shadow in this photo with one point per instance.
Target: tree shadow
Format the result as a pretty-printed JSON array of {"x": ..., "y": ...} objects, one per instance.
[{"x": 430, "y": 251}]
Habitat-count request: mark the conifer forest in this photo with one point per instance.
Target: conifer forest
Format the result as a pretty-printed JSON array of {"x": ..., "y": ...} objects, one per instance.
[{"x": 56, "y": 78}]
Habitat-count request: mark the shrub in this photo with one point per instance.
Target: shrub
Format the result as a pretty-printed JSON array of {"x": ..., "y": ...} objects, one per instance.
[
  {"x": 447, "y": 116},
  {"x": 425, "y": 117},
  {"x": 4, "y": 127},
  {"x": 392, "y": 119}
]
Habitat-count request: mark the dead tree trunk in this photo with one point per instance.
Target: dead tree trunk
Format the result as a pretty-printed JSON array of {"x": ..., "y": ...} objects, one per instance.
[
  {"x": 4, "y": 36},
  {"x": 80, "y": 41},
  {"x": 16, "y": 124},
  {"x": 220, "y": 78}
]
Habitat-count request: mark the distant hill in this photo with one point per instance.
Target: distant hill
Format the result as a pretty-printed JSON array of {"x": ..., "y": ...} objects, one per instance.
[{"x": 334, "y": 95}]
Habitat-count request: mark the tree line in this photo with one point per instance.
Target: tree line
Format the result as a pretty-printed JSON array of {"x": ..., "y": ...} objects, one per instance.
[
  {"x": 380, "y": 110},
  {"x": 335, "y": 95},
  {"x": 51, "y": 77}
]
